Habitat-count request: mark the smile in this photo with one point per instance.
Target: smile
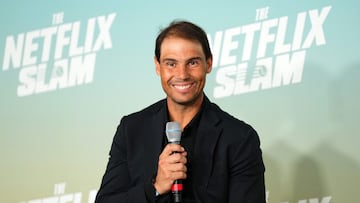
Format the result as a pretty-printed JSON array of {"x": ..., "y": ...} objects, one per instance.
[{"x": 183, "y": 87}]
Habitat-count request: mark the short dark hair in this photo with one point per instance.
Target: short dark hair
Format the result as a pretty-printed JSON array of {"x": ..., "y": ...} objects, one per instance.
[{"x": 186, "y": 30}]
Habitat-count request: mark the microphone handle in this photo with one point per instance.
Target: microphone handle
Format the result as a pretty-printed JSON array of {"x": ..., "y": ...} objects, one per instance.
[
  {"x": 177, "y": 187},
  {"x": 176, "y": 190}
]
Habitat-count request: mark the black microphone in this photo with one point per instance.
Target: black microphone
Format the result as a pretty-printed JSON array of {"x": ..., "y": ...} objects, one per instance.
[{"x": 173, "y": 134}]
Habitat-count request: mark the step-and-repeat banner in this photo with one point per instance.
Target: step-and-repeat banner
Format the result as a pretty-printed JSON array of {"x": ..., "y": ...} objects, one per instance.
[{"x": 71, "y": 69}]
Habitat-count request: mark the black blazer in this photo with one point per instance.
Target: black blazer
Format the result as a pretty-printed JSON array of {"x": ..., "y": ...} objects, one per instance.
[{"x": 227, "y": 163}]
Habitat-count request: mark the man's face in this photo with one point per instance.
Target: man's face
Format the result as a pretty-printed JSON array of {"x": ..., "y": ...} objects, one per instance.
[{"x": 182, "y": 69}]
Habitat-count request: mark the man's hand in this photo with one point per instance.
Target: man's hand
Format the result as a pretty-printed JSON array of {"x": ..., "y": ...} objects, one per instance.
[{"x": 171, "y": 167}]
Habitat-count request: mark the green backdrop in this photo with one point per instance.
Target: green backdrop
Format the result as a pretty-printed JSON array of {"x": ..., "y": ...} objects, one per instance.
[{"x": 71, "y": 70}]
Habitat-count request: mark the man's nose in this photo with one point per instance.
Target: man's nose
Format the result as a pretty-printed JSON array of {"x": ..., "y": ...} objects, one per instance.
[{"x": 182, "y": 71}]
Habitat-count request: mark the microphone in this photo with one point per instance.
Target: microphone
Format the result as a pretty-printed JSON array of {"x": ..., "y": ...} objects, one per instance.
[{"x": 173, "y": 134}]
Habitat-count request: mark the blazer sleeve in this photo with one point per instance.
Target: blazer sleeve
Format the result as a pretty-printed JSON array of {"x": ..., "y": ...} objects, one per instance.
[
  {"x": 116, "y": 185},
  {"x": 247, "y": 183}
]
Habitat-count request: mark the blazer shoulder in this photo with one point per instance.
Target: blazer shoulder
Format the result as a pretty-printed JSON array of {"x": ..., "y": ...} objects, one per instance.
[
  {"x": 228, "y": 120},
  {"x": 147, "y": 112}
]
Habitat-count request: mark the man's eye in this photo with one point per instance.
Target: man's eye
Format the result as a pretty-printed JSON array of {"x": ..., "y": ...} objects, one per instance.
[
  {"x": 170, "y": 64},
  {"x": 193, "y": 63}
]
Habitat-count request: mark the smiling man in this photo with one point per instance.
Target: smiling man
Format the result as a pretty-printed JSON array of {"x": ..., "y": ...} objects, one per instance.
[{"x": 219, "y": 158}]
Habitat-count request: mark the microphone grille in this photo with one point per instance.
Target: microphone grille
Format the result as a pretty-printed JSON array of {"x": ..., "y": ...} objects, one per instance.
[{"x": 173, "y": 132}]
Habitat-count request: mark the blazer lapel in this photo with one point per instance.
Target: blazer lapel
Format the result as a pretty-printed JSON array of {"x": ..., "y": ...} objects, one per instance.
[
  {"x": 206, "y": 141},
  {"x": 154, "y": 140}
]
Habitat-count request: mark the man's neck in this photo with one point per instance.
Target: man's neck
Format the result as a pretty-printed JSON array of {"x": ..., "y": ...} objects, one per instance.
[{"x": 184, "y": 113}]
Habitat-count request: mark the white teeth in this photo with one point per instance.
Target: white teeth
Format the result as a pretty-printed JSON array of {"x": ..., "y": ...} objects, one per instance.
[{"x": 182, "y": 87}]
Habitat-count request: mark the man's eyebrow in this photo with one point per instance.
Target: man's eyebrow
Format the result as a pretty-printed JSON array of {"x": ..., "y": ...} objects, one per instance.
[
  {"x": 169, "y": 59},
  {"x": 194, "y": 58}
]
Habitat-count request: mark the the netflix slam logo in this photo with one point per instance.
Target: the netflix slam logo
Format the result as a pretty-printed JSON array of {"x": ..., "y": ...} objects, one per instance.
[
  {"x": 57, "y": 57},
  {"x": 266, "y": 54}
]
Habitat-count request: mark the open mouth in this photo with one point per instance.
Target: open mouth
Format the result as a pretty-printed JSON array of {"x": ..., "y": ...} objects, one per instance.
[{"x": 183, "y": 87}]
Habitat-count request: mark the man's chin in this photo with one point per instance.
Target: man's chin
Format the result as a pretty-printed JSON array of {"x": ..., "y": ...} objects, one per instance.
[{"x": 186, "y": 101}]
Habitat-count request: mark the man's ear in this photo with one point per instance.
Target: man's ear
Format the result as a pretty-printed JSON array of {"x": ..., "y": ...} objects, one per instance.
[
  {"x": 157, "y": 65},
  {"x": 209, "y": 64}
]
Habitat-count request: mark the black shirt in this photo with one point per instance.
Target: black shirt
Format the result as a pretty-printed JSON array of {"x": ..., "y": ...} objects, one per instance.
[{"x": 188, "y": 139}]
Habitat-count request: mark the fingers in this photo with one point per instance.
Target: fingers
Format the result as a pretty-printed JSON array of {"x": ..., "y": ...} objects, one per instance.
[
  {"x": 172, "y": 148},
  {"x": 171, "y": 167},
  {"x": 177, "y": 158},
  {"x": 173, "y": 158}
]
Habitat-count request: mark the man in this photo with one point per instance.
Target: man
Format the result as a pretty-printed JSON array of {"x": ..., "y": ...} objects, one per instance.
[{"x": 219, "y": 159}]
